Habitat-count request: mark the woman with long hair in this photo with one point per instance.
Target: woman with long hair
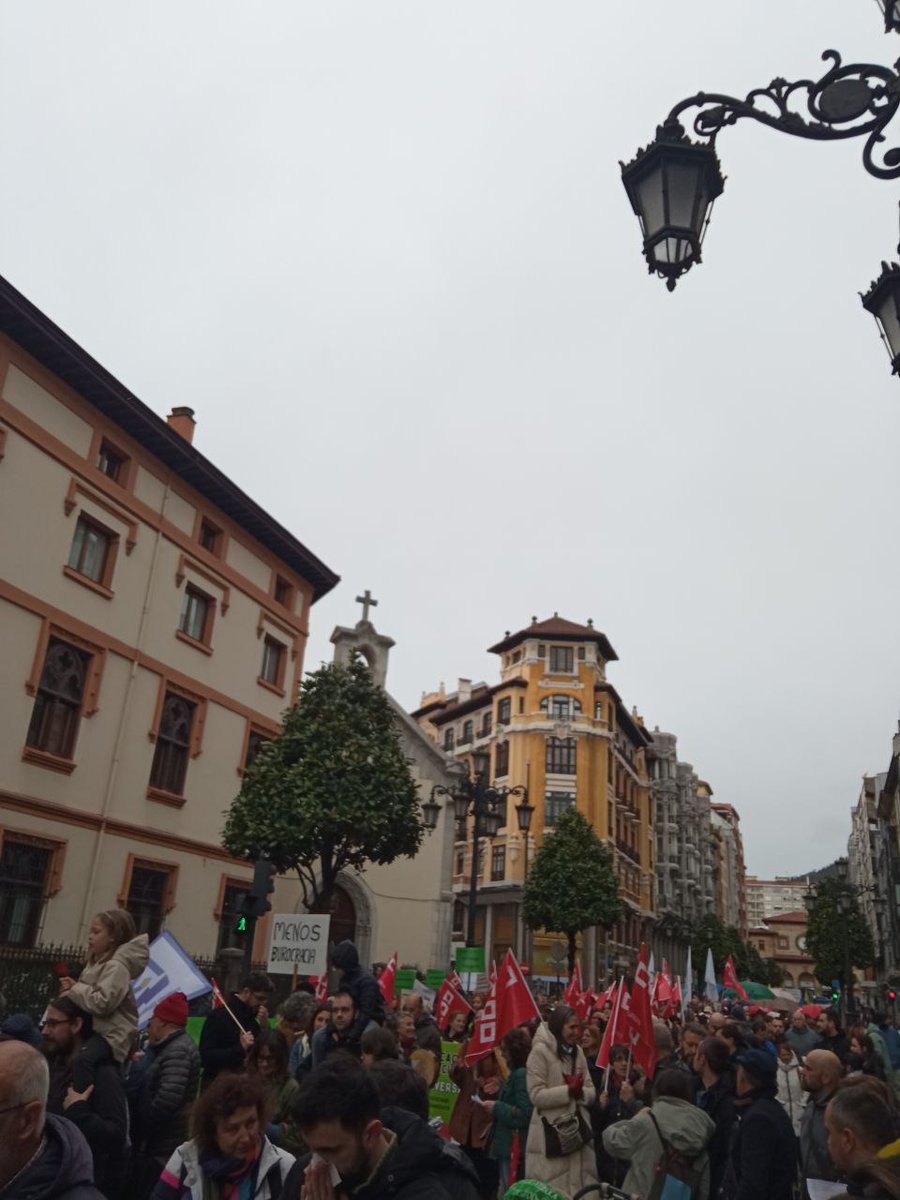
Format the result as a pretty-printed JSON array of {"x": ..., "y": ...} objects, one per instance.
[
  {"x": 269, "y": 1060},
  {"x": 511, "y": 1111},
  {"x": 229, "y": 1157}
]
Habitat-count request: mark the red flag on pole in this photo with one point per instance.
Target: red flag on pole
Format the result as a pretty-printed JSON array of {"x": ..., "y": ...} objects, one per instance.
[
  {"x": 218, "y": 1000},
  {"x": 515, "y": 1003},
  {"x": 484, "y": 1033},
  {"x": 644, "y": 1042},
  {"x": 449, "y": 1000},
  {"x": 322, "y": 988},
  {"x": 609, "y": 1033},
  {"x": 454, "y": 978},
  {"x": 730, "y": 979},
  {"x": 386, "y": 979},
  {"x": 574, "y": 987}
]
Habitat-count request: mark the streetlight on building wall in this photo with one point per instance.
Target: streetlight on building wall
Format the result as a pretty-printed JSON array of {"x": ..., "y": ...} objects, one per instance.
[
  {"x": 673, "y": 182},
  {"x": 474, "y": 796}
]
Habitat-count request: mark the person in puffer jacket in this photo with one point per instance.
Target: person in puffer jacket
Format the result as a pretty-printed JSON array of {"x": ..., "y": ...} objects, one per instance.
[
  {"x": 672, "y": 1117},
  {"x": 790, "y": 1094},
  {"x": 116, "y": 957},
  {"x": 362, "y": 986}
]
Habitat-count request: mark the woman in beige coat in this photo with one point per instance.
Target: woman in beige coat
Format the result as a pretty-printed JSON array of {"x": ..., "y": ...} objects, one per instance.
[{"x": 559, "y": 1083}]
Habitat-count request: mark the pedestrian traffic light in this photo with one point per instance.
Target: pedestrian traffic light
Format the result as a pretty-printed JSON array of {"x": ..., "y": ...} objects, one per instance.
[
  {"x": 263, "y": 886},
  {"x": 892, "y": 995},
  {"x": 835, "y": 995}
]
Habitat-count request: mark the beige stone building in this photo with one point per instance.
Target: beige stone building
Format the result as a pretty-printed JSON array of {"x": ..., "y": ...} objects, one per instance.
[{"x": 153, "y": 622}]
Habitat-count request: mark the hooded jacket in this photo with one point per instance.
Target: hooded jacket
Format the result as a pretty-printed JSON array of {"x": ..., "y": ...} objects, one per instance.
[
  {"x": 183, "y": 1176},
  {"x": 791, "y": 1095},
  {"x": 682, "y": 1125},
  {"x": 764, "y": 1150},
  {"x": 418, "y": 1166},
  {"x": 104, "y": 990},
  {"x": 549, "y": 1094},
  {"x": 362, "y": 986},
  {"x": 102, "y": 1118},
  {"x": 64, "y": 1171},
  {"x": 220, "y": 1039}
]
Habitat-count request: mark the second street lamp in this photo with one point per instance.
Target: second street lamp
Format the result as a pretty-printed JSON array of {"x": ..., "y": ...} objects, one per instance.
[{"x": 487, "y": 806}]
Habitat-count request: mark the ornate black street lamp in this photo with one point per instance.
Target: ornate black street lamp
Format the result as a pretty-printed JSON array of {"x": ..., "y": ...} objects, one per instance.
[
  {"x": 524, "y": 814},
  {"x": 487, "y": 806},
  {"x": 672, "y": 182}
]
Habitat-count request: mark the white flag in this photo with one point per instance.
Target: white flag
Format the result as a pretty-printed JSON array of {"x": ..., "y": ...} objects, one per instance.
[
  {"x": 170, "y": 969},
  {"x": 687, "y": 991},
  {"x": 710, "y": 987}
]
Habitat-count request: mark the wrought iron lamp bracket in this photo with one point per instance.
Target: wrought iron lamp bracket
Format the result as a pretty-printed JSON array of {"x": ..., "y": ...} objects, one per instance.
[{"x": 856, "y": 100}]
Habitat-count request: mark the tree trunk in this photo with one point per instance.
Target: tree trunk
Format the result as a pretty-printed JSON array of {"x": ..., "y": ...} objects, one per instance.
[{"x": 572, "y": 934}]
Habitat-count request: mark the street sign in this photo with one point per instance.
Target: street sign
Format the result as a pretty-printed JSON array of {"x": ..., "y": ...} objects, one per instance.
[{"x": 298, "y": 940}]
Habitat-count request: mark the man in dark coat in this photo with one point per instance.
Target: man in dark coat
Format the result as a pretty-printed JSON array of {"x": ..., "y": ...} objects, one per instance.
[
  {"x": 365, "y": 1153},
  {"x": 716, "y": 1098},
  {"x": 763, "y": 1164},
  {"x": 101, "y": 1110},
  {"x": 41, "y": 1157},
  {"x": 362, "y": 986},
  {"x": 166, "y": 1082},
  {"x": 222, "y": 1045}
]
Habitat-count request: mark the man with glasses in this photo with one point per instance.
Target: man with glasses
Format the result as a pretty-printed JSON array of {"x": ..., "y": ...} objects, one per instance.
[
  {"x": 224, "y": 1046},
  {"x": 101, "y": 1110},
  {"x": 42, "y": 1157}
]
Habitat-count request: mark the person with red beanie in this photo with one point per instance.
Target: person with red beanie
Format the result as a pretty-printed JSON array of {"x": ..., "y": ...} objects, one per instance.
[{"x": 162, "y": 1090}]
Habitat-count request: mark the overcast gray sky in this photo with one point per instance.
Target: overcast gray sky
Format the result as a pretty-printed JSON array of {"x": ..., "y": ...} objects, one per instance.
[{"x": 384, "y": 251}]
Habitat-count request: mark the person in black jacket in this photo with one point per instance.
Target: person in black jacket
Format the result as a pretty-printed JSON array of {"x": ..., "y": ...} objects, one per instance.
[
  {"x": 362, "y": 986},
  {"x": 369, "y": 1153},
  {"x": 101, "y": 1110},
  {"x": 162, "y": 1088},
  {"x": 716, "y": 1098},
  {"x": 41, "y": 1157},
  {"x": 222, "y": 1045},
  {"x": 763, "y": 1161}
]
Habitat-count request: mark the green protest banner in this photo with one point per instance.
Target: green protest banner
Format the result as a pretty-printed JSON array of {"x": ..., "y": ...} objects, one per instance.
[
  {"x": 470, "y": 960},
  {"x": 434, "y": 977},
  {"x": 442, "y": 1097},
  {"x": 405, "y": 980}
]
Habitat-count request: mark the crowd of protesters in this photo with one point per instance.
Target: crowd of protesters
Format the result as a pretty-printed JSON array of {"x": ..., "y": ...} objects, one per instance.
[{"x": 330, "y": 1101}]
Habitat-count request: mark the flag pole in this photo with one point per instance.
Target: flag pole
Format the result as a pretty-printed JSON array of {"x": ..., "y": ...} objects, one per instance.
[{"x": 224, "y": 1004}]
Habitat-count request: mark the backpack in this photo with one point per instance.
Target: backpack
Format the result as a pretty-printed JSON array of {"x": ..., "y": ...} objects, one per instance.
[{"x": 677, "y": 1177}]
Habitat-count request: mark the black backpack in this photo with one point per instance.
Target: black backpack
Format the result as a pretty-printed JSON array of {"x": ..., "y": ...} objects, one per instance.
[{"x": 677, "y": 1176}]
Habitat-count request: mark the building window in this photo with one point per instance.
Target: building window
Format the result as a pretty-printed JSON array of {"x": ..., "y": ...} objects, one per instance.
[
  {"x": 598, "y": 711},
  {"x": 459, "y": 919},
  {"x": 581, "y": 653},
  {"x": 562, "y": 660},
  {"x": 555, "y": 804},
  {"x": 272, "y": 671},
  {"x": 111, "y": 461},
  {"x": 486, "y": 725},
  {"x": 284, "y": 593},
  {"x": 232, "y": 897},
  {"x": 196, "y": 615},
  {"x": 501, "y": 759},
  {"x": 498, "y": 864},
  {"x": 210, "y": 536},
  {"x": 57, "y": 705},
  {"x": 24, "y": 869},
  {"x": 147, "y": 898},
  {"x": 90, "y": 549},
  {"x": 255, "y": 743},
  {"x": 448, "y": 738},
  {"x": 560, "y": 708},
  {"x": 504, "y": 711},
  {"x": 561, "y": 756},
  {"x": 459, "y": 864},
  {"x": 173, "y": 745},
  {"x": 468, "y": 731},
  {"x": 542, "y": 651}
]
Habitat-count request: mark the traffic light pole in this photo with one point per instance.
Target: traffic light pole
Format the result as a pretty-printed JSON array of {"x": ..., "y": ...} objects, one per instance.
[{"x": 254, "y": 905}]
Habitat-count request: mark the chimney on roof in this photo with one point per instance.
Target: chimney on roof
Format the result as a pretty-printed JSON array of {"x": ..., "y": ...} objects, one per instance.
[
  {"x": 464, "y": 691},
  {"x": 182, "y": 421}
]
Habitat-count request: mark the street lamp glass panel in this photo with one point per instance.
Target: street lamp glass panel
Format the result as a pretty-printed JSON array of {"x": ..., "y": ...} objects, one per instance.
[
  {"x": 686, "y": 195},
  {"x": 491, "y": 822},
  {"x": 883, "y": 301},
  {"x": 652, "y": 203},
  {"x": 524, "y": 813},
  {"x": 460, "y": 806},
  {"x": 481, "y": 763},
  {"x": 891, "y": 10},
  {"x": 430, "y": 814}
]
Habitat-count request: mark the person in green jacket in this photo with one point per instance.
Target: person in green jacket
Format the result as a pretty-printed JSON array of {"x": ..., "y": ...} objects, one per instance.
[{"x": 511, "y": 1111}]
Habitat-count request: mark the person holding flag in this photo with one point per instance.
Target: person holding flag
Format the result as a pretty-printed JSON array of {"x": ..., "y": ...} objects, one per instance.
[{"x": 560, "y": 1150}]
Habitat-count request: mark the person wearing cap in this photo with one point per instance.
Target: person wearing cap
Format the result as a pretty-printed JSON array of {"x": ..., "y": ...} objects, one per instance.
[
  {"x": 19, "y": 1027},
  {"x": 167, "y": 1078},
  {"x": 820, "y": 1074},
  {"x": 764, "y": 1151}
]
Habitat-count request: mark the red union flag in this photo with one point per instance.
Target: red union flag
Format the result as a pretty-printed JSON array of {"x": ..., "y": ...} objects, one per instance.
[
  {"x": 574, "y": 987},
  {"x": 484, "y": 1035},
  {"x": 515, "y": 1001},
  {"x": 322, "y": 988},
  {"x": 609, "y": 1033},
  {"x": 449, "y": 1000},
  {"x": 218, "y": 1000},
  {"x": 730, "y": 979},
  {"x": 386, "y": 979},
  {"x": 643, "y": 1041}
]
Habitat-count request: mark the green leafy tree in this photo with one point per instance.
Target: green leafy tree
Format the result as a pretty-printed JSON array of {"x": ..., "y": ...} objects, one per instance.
[
  {"x": 571, "y": 885},
  {"x": 838, "y": 936},
  {"x": 334, "y": 791},
  {"x": 774, "y": 973},
  {"x": 711, "y": 933}
]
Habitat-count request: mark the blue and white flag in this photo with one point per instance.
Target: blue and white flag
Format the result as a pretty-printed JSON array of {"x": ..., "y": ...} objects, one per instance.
[
  {"x": 710, "y": 987},
  {"x": 170, "y": 969}
]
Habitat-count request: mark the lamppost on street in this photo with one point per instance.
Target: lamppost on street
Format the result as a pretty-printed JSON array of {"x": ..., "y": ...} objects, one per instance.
[
  {"x": 524, "y": 814},
  {"x": 474, "y": 796},
  {"x": 673, "y": 182}
]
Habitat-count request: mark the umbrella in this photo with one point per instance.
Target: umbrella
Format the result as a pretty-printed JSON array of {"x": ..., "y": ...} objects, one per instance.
[
  {"x": 755, "y": 991},
  {"x": 811, "y": 1010},
  {"x": 782, "y": 1002}
]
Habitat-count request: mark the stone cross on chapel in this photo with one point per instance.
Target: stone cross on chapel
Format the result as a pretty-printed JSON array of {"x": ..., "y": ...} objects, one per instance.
[
  {"x": 367, "y": 602},
  {"x": 365, "y": 640}
]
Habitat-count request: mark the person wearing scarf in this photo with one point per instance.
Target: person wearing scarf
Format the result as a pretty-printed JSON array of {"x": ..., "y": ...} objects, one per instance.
[{"x": 229, "y": 1157}]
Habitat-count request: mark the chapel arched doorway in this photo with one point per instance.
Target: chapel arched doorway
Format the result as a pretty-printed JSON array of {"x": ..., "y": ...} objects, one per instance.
[{"x": 343, "y": 917}]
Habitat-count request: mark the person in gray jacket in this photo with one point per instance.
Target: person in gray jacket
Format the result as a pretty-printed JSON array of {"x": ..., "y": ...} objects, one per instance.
[
  {"x": 672, "y": 1117},
  {"x": 821, "y": 1072},
  {"x": 167, "y": 1080}
]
